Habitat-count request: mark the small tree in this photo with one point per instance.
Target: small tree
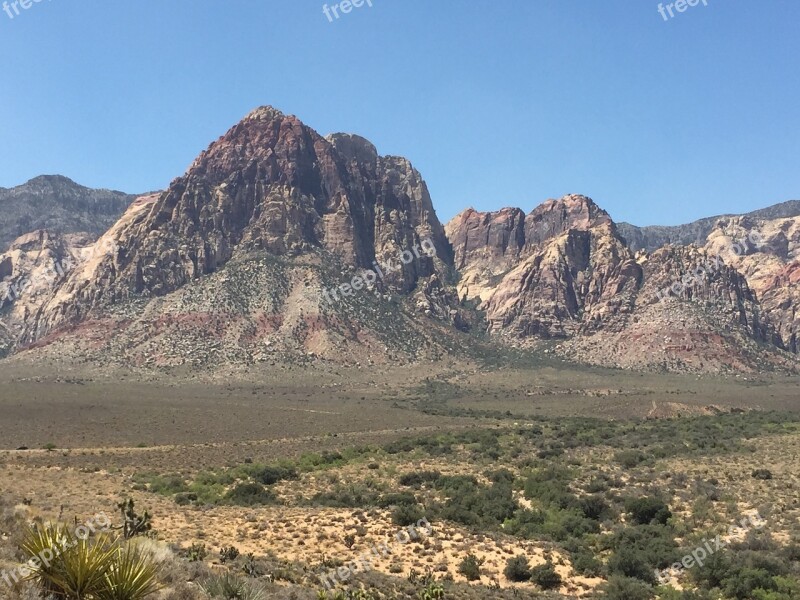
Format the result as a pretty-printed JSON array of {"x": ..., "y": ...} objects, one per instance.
[{"x": 133, "y": 524}]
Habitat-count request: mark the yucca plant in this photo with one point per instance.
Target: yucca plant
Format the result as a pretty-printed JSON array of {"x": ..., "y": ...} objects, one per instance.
[
  {"x": 230, "y": 587},
  {"x": 132, "y": 575},
  {"x": 79, "y": 572},
  {"x": 45, "y": 544}
]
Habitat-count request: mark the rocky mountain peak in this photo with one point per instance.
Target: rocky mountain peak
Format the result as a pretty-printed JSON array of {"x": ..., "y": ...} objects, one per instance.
[
  {"x": 271, "y": 189},
  {"x": 557, "y": 216},
  {"x": 353, "y": 147},
  {"x": 59, "y": 205},
  {"x": 264, "y": 113}
]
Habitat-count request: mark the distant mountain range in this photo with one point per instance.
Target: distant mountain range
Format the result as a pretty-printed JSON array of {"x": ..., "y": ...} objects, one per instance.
[
  {"x": 59, "y": 205},
  {"x": 653, "y": 237},
  {"x": 233, "y": 266}
]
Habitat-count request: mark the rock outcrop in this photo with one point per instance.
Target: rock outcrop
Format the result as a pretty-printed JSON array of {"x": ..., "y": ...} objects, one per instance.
[
  {"x": 279, "y": 245},
  {"x": 565, "y": 273},
  {"x": 560, "y": 270}
]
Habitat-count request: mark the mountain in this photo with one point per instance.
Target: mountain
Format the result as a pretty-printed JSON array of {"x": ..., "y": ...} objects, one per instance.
[
  {"x": 281, "y": 247},
  {"x": 565, "y": 273},
  {"x": 244, "y": 257},
  {"x": 560, "y": 270},
  {"x": 653, "y": 237},
  {"x": 58, "y": 205}
]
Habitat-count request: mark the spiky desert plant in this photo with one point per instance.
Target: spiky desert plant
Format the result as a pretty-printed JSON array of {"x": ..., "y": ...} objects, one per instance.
[
  {"x": 433, "y": 591},
  {"x": 230, "y": 587},
  {"x": 132, "y": 575},
  {"x": 134, "y": 524},
  {"x": 42, "y": 547},
  {"x": 79, "y": 572}
]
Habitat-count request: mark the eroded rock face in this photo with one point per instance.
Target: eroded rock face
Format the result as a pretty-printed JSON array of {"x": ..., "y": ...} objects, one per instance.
[
  {"x": 31, "y": 270},
  {"x": 563, "y": 272},
  {"x": 269, "y": 185},
  {"x": 555, "y": 272},
  {"x": 233, "y": 263},
  {"x": 231, "y": 260},
  {"x": 771, "y": 267}
]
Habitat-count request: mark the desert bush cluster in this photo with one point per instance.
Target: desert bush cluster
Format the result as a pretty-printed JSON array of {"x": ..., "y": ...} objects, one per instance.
[{"x": 609, "y": 501}]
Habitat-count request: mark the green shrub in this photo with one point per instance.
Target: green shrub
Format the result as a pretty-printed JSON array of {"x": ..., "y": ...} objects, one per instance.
[
  {"x": 351, "y": 496},
  {"x": 628, "y": 562},
  {"x": 623, "y": 588},
  {"x": 745, "y": 581},
  {"x": 714, "y": 571},
  {"x": 397, "y": 499},
  {"x": 597, "y": 485},
  {"x": 594, "y": 507},
  {"x": 249, "y": 494},
  {"x": 167, "y": 485},
  {"x": 550, "y": 487},
  {"x": 518, "y": 569},
  {"x": 631, "y": 458},
  {"x": 648, "y": 510},
  {"x": 419, "y": 478},
  {"x": 406, "y": 514},
  {"x": 473, "y": 504},
  {"x": 470, "y": 567},
  {"x": 586, "y": 563},
  {"x": 269, "y": 475},
  {"x": 545, "y": 576},
  {"x": 185, "y": 498},
  {"x": 655, "y": 544}
]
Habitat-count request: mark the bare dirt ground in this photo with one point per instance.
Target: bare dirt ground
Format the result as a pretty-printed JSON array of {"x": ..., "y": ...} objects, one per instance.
[{"x": 73, "y": 407}]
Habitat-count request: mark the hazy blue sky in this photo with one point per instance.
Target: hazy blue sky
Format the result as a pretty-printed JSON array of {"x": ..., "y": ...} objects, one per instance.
[{"x": 496, "y": 102}]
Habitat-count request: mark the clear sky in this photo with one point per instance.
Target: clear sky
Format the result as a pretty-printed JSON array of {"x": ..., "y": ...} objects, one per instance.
[{"x": 497, "y": 102}]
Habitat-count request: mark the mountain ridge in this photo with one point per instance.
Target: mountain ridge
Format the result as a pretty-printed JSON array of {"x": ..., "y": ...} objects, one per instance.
[
  {"x": 60, "y": 205},
  {"x": 231, "y": 263},
  {"x": 653, "y": 237}
]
